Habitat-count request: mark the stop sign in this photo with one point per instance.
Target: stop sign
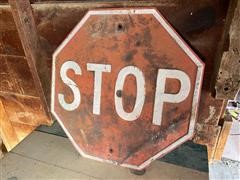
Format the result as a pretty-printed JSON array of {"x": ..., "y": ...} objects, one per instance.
[{"x": 125, "y": 86}]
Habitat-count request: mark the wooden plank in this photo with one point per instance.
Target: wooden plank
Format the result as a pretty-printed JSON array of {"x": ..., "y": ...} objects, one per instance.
[
  {"x": 228, "y": 82},
  {"x": 227, "y": 76},
  {"x": 7, "y": 132},
  {"x": 16, "y": 76},
  {"x": 9, "y": 39},
  {"x": 7, "y": 81},
  {"x": 19, "y": 116},
  {"x": 22, "y": 130},
  {"x": 21, "y": 110},
  {"x": 222, "y": 140},
  {"x": 223, "y": 110},
  {"x": 36, "y": 58},
  {"x": 24, "y": 109},
  {"x": 54, "y": 21}
]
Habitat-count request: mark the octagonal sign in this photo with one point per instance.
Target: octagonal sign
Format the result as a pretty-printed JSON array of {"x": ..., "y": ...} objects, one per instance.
[{"x": 125, "y": 86}]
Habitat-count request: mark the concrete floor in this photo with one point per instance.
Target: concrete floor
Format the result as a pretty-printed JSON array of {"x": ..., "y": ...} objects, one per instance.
[
  {"x": 45, "y": 156},
  {"x": 232, "y": 147},
  {"x": 224, "y": 170},
  {"x": 229, "y": 167}
]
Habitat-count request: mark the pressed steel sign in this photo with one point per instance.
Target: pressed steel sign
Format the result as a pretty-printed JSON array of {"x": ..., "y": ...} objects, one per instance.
[{"x": 125, "y": 86}]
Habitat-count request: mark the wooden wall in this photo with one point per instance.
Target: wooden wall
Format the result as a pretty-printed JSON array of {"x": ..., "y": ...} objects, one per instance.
[{"x": 201, "y": 23}]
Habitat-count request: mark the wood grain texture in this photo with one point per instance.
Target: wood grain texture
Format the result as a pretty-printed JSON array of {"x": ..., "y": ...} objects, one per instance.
[
  {"x": 7, "y": 131},
  {"x": 222, "y": 140},
  {"x": 35, "y": 55},
  {"x": 16, "y": 76},
  {"x": 21, "y": 109},
  {"x": 227, "y": 82},
  {"x": 19, "y": 116},
  {"x": 24, "y": 109}
]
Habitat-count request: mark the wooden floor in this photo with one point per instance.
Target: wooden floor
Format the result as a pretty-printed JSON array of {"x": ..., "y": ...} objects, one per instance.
[{"x": 45, "y": 156}]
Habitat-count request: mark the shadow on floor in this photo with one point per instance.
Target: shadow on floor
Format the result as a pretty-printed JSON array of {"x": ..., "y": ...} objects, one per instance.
[{"x": 188, "y": 155}]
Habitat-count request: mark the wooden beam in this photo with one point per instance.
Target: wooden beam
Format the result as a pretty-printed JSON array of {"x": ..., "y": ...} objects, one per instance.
[
  {"x": 19, "y": 116},
  {"x": 16, "y": 76},
  {"x": 222, "y": 140},
  {"x": 36, "y": 57},
  {"x": 227, "y": 74},
  {"x": 24, "y": 109}
]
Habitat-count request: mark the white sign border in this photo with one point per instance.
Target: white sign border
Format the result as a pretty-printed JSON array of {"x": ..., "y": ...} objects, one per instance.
[{"x": 198, "y": 84}]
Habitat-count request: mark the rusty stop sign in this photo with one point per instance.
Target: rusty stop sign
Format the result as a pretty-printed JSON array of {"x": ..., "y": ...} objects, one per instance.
[{"x": 125, "y": 86}]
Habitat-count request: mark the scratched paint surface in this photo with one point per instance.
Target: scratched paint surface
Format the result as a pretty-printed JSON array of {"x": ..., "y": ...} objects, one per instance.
[{"x": 123, "y": 40}]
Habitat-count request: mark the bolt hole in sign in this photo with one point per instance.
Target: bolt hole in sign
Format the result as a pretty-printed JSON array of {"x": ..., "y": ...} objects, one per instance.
[{"x": 125, "y": 86}]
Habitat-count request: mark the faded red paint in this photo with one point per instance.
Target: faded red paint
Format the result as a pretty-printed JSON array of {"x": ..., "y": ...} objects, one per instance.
[{"x": 123, "y": 40}]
